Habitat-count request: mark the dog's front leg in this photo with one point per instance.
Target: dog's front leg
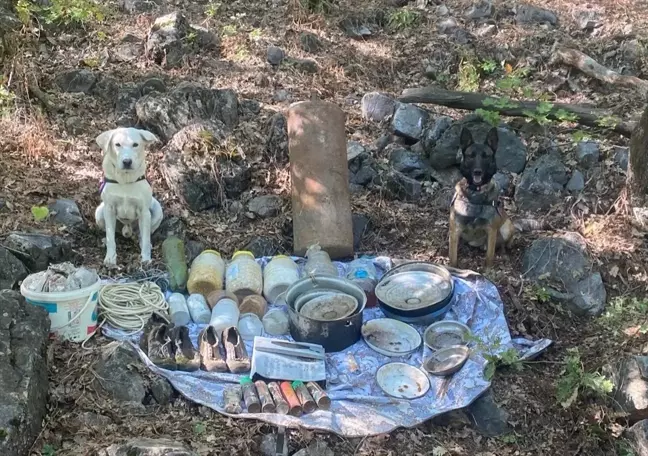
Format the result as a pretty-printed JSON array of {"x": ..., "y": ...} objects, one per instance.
[
  {"x": 145, "y": 234},
  {"x": 492, "y": 242},
  {"x": 110, "y": 222},
  {"x": 453, "y": 239}
]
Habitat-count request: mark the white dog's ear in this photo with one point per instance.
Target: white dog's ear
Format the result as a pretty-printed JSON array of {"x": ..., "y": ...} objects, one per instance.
[
  {"x": 147, "y": 136},
  {"x": 104, "y": 138}
]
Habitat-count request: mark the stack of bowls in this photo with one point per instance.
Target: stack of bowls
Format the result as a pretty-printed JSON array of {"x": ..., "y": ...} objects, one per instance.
[
  {"x": 326, "y": 310},
  {"x": 416, "y": 293}
]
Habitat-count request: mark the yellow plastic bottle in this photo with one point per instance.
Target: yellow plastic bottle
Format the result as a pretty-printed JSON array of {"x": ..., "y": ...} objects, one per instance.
[{"x": 206, "y": 274}]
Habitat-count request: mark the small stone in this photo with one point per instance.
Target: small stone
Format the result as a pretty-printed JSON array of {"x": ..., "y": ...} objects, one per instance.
[
  {"x": 275, "y": 55},
  {"x": 442, "y": 10},
  {"x": 309, "y": 42},
  {"x": 152, "y": 85},
  {"x": 76, "y": 81},
  {"x": 409, "y": 121},
  {"x": 441, "y": 124},
  {"x": 282, "y": 95},
  {"x": 588, "y": 19},
  {"x": 265, "y": 206},
  {"x": 576, "y": 182},
  {"x": 447, "y": 26},
  {"x": 621, "y": 157},
  {"x": 38, "y": 251},
  {"x": 354, "y": 28},
  {"x": 277, "y": 142},
  {"x": 382, "y": 142},
  {"x": 162, "y": 390},
  {"x": 362, "y": 170},
  {"x": 139, "y": 6},
  {"x": 66, "y": 212},
  {"x": 268, "y": 445},
  {"x": 117, "y": 376},
  {"x": 587, "y": 153},
  {"x": 462, "y": 36},
  {"x": 91, "y": 419},
  {"x": 488, "y": 417},
  {"x": 589, "y": 296},
  {"x": 402, "y": 187},
  {"x": 128, "y": 50},
  {"x": 377, "y": 106},
  {"x": 542, "y": 184},
  {"x": 481, "y": 10},
  {"x": 74, "y": 125},
  {"x": 167, "y": 42},
  {"x": 407, "y": 162},
  {"x": 528, "y": 14},
  {"x": 487, "y": 30},
  {"x": 354, "y": 149},
  {"x": 361, "y": 225}
]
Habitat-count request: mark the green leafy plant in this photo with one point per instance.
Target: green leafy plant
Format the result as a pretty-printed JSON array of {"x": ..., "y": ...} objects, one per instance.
[
  {"x": 608, "y": 122},
  {"x": 539, "y": 115},
  {"x": 212, "y": 9},
  {"x": 468, "y": 77},
  {"x": 489, "y": 66},
  {"x": 541, "y": 294},
  {"x": 575, "y": 380},
  {"x": 229, "y": 30},
  {"x": 492, "y": 117},
  {"x": 579, "y": 135},
  {"x": 403, "y": 18},
  {"x": 501, "y": 103},
  {"x": 48, "y": 450},
  {"x": 622, "y": 311},
  {"x": 61, "y": 12},
  {"x": 495, "y": 357},
  {"x": 199, "y": 428},
  {"x": 513, "y": 81},
  {"x": 40, "y": 213},
  {"x": 565, "y": 116},
  {"x": 255, "y": 34}
]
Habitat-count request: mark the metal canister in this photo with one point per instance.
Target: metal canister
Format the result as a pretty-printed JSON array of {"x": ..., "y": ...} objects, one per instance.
[
  {"x": 250, "y": 397},
  {"x": 267, "y": 404},
  {"x": 281, "y": 405},
  {"x": 319, "y": 395},
  {"x": 305, "y": 398}
]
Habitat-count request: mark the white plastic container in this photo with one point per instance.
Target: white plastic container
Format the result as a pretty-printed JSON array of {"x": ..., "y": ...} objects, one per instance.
[
  {"x": 198, "y": 309},
  {"x": 224, "y": 314},
  {"x": 275, "y": 322},
  {"x": 178, "y": 309},
  {"x": 250, "y": 326},
  {"x": 278, "y": 275},
  {"x": 207, "y": 273},
  {"x": 73, "y": 314},
  {"x": 319, "y": 263},
  {"x": 243, "y": 276}
]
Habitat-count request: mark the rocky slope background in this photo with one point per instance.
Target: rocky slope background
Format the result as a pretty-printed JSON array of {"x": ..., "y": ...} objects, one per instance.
[{"x": 213, "y": 80}]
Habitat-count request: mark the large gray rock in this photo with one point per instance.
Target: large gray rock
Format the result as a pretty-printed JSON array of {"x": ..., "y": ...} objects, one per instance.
[
  {"x": 354, "y": 149},
  {"x": 275, "y": 55},
  {"x": 12, "y": 270},
  {"x": 76, "y": 81},
  {"x": 562, "y": 264},
  {"x": 630, "y": 393},
  {"x": 409, "y": 121},
  {"x": 203, "y": 180},
  {"x": 587, "y": 153},
  {"x": 576, "y": 182},
  {"x": 377, "y": 106},
  {"x": 24, "y": 331},
  {"x": 638, "y": 436},
  {"x": 487, "y": 417},
  {"x": 66, "y": 212},
  {"x": 408, "y": 162},
  {"x": 363, "y": 170},
  {"x": 265, "y": 205},
  {"x": 165, "y": 114},
  {"x": 447, "y": 177},
  {"x": 117, "y": 375},
  {"x": 542, "y": 184},
  {"x": 37, "y": 251},
  {"x": 402, "y": 187},
  {"x": 148, "y": 447}
]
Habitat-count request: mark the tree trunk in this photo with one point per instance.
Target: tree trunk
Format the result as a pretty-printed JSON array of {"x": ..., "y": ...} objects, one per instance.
[{"x": 638, "y": 163}]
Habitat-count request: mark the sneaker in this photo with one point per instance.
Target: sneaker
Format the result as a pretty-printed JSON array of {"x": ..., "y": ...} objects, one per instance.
[
  {"x": 160, "y": 349},
  {"x": 236, "y": 355},
  {"x": 187, "y": 357},
  {"x": 210, "y": 352}
]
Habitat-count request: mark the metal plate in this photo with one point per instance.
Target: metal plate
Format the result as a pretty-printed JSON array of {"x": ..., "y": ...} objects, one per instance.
[
  {"x": 403, "y": 381},
  {"x": 391, "y": 337},
  {"x": 446, "y": 361},
  {"x": 412, "y": 290},
  {"x": 445, "y": 334},
  {"x": 329, "y": 307}
]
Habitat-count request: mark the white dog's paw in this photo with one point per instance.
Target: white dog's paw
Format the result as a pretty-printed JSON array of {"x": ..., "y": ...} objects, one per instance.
[{"x": 110, "y": 260}]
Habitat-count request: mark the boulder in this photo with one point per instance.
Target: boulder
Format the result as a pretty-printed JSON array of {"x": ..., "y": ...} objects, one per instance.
[
  {"x": 377, "y": 106},
  {"x": 621, "y": 157},
  {"x": 265, "y": 206},
  {"x": 447, "y": 177},
  {"x": 117, "y": 375},
  {"x": 408, "y": 162},
  {"x": 409, "y": 121},
  {"x": 12, "y": 270},
  {"x": 24, "y": 332},
  {"x": 165, "y": 114},
  {"x": 363, "y": 170},
  {"x": 76, "y": 81},
  {"x": 402, "y": 187},
  {"x": 66, "y": 212},
  {"x": 148, "y": 447},
  {"x": 38, "y": 251},
  {"x": 638, "y": 436},
  {"x": 576, "y": 182},
  {"x": 630, "y": 393},
  {"x": 487, "y": 417},
  {"x": 275, "y": 55},
  {"x": 542, "y": 184}
]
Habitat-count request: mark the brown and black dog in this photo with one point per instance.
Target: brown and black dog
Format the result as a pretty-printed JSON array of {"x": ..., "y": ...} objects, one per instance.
[{"x": 476, "y": 215}]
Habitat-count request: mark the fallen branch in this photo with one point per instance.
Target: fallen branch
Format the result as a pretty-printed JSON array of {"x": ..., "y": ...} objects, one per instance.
[
  {"x": 584, "y": 115},
  {"x": 593, "y": 69}
]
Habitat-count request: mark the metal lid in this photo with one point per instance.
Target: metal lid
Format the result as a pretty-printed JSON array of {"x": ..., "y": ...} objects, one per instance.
[
  {"x": 329, "y": 307},
  {"x": 412, "y": 290}
]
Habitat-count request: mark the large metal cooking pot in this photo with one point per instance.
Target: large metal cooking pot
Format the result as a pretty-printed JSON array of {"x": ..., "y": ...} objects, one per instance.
[
  {"x": 416, "y": 292},
  {"x": 335, "y": 335}
]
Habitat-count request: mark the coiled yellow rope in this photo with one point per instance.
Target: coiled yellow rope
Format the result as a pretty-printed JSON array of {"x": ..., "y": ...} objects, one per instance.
[{"x": 128, "y": 306}]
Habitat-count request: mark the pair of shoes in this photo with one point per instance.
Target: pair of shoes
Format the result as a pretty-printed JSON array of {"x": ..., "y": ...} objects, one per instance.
[{"x": 236, "y": 359}]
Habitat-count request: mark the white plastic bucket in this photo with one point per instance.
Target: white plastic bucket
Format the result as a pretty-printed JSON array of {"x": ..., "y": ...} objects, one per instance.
[{"x": 73, "y": 314}]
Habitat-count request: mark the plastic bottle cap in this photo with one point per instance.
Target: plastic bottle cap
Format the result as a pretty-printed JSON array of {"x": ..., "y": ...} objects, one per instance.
[
  {"x": 211, "y": 251},
  {"x": 297, "y": 383},
  {"x": 243, "y": 252},
  {"x": 361, "y": 274},
  {"x": 245, "y": 380}
]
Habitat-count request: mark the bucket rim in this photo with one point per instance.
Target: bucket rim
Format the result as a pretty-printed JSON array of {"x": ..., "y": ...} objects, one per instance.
[{"x": 59, "y": 295}]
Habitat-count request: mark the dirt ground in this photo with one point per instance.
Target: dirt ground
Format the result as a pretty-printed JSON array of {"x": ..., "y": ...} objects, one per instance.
[{"x": 43, "y": 160}]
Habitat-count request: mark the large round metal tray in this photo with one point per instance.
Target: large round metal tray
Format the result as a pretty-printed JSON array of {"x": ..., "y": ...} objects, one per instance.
[{"x": 415, "y": 289}]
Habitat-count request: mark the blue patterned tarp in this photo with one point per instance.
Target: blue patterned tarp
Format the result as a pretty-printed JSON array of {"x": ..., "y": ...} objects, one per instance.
[{"x": 359, "y": 407}]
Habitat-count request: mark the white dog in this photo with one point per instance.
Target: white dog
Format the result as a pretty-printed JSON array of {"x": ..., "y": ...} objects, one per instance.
[{"x": 126, "y": 195}]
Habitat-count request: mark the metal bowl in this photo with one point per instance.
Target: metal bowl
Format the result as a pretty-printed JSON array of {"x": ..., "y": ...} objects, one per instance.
[
  {"x": 445, "y": 334},
  {"x": 414, "y": 290},
  {"x": 402, "y": 381},
  {"x": 391, "y": 337},
  {"x": 304, "y": 298},
  {"x": 329, "y": 307},
  {"x": 446, "y": 361},
  {"x": 424, "y": 320}
]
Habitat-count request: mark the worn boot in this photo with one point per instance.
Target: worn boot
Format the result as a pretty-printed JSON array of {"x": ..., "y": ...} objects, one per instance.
[
  {"x": 210, "y": 352},
  {"x": 160, "y": 347},
  {"x": 186, "y": 356},
  {"x": 236, "y": 355}
]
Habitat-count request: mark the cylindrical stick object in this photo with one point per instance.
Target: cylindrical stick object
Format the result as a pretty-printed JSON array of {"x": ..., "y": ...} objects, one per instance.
[
  {"x": 282, "y": 406},
  {"x": 320, "y": 178},
  {"x": 305, "y": 398},
  {"x": 232, "y": 399},
  {"x": 294, "y": 405},
  {"x": 267, "y": 404},
  {"x": 319, "y": 395},
  {"x": 250, "y": 397}
]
